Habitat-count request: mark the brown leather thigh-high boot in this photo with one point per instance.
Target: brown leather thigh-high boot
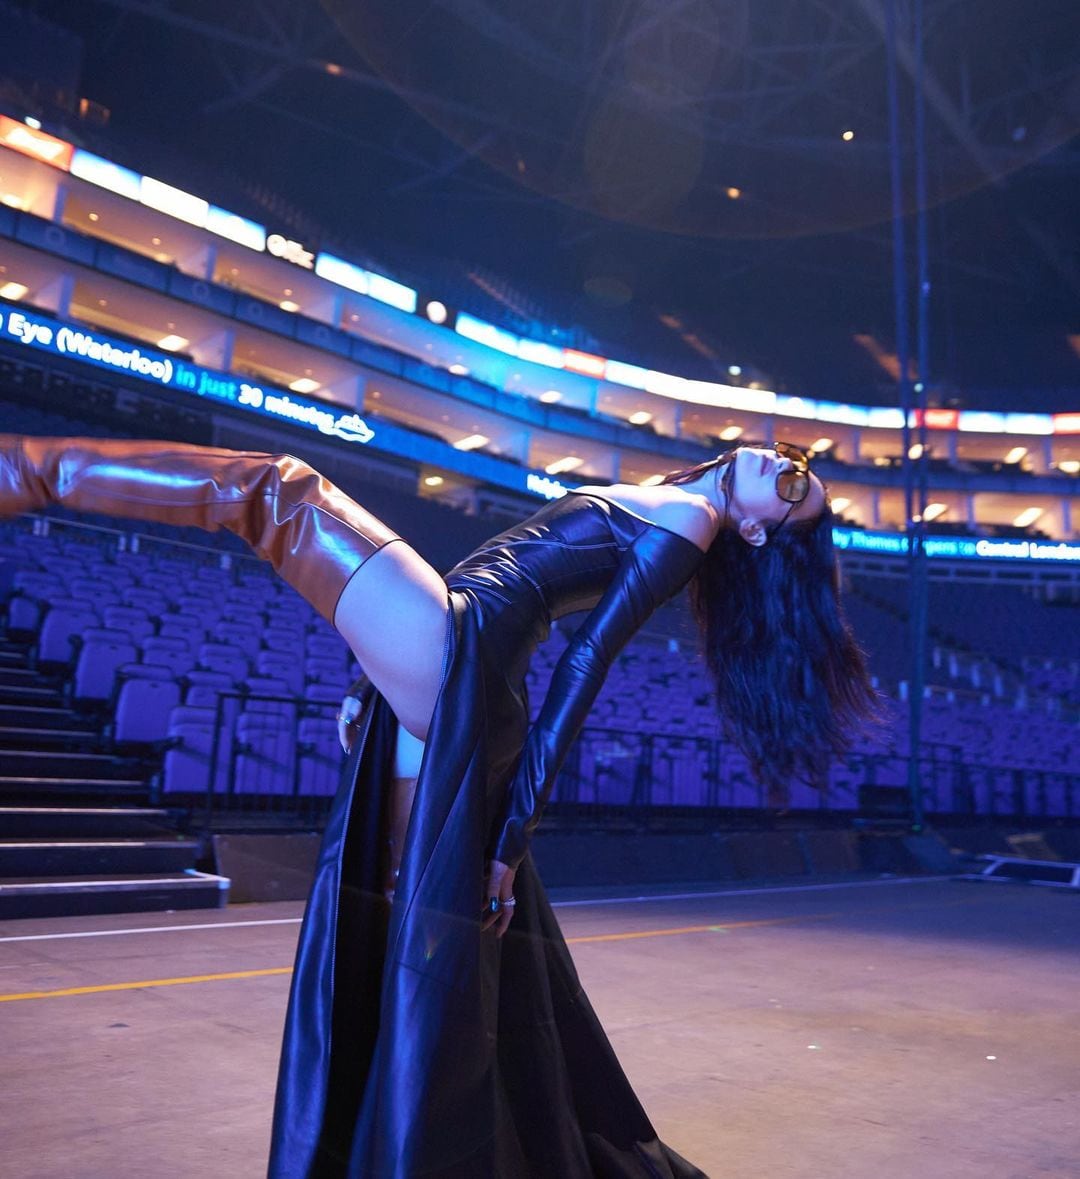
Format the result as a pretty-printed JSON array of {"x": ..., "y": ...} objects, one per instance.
[{"x": 313, "y": 534}]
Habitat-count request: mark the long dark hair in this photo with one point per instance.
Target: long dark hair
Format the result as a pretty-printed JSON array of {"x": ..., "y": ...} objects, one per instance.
[{"x": 791, "y": 682}]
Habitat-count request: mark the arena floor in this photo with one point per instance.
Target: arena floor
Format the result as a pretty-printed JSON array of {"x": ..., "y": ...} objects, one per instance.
[{"x": 840, "y": 1029}]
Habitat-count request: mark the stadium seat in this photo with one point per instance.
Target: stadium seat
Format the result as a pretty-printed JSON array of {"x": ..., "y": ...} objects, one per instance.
[
  {"x": 143, "y": 704},
  {"x": 101, "y": 653}
]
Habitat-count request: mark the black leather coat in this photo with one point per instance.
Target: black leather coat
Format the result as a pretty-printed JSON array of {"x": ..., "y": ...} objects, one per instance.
[{"x": 415, "y": 1045}]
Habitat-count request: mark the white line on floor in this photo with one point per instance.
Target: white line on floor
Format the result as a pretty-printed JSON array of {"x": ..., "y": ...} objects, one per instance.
[
  {"x": 750, "y": 891},
  {"x": 46, "y": 937},
  {"x": 667, "y": 896}
]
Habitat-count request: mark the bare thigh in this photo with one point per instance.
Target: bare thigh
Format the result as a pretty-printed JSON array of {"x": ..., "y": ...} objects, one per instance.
[{"x": 392, "y": 614}]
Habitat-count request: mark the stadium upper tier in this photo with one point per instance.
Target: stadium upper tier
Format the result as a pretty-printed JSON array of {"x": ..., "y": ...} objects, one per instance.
[{"x": 124, "y": 272}]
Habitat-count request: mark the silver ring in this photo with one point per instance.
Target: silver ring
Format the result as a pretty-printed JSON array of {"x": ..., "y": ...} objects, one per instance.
[
  {"x": 509, "y": 904},
  {"x": 349, "y": 720}
]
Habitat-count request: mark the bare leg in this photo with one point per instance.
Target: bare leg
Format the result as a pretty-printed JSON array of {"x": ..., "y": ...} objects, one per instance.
[
  {"x": 393, "y": 614},
  {"x": 402, "y": 793}
]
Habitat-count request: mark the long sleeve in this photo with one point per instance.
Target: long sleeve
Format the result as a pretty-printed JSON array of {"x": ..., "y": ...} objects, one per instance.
[{"x": 654, "y": 568}]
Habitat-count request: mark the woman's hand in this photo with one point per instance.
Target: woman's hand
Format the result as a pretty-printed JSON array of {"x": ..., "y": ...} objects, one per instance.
[
  {"x": 499, "y": 882},
  {"x": 346, "y": 721}
]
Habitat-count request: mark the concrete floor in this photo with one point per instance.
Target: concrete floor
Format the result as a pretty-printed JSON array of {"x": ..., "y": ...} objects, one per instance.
[{"x": 858, "y": 1029}]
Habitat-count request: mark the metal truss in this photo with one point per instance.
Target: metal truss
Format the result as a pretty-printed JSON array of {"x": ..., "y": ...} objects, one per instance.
[{"x": 743, "y": 85}]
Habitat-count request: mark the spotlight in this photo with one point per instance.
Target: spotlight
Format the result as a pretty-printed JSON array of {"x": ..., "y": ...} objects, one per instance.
[
  {"x": 471, "y": 442},
  {"x": 436, "y": 311},
  {"x": 561, "y": 466},
  {"x": 550, "y": 396},
  {"x": 847, "y": 136},
  {"x": 1028, "y": 516}
]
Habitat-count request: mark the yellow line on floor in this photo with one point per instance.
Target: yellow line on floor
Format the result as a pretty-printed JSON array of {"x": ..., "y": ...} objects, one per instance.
[
  {"x": 151, "y": 982},
  {"x": 714, "y": 928},
  {"x": 199, "y": 978}
]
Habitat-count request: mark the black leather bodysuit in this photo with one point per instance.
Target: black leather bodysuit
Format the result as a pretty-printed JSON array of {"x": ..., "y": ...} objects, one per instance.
[
  {"x": 416, "y": 1045},
  {"x": 580, "y": 552}
]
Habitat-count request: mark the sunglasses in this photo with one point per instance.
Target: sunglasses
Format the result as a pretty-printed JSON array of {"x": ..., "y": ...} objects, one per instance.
[{"x": 792, "y": 484}]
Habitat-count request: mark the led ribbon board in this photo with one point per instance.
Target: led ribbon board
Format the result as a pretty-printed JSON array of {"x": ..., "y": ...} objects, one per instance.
[
  {"x": 45, "y": 334},
  {"x": 963, "y": 547},
  {"x": 72, "y": 341},
  {"x": 60, "y": 339}
]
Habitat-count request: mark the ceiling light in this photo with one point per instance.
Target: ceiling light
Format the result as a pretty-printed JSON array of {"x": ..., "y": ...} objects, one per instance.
[
  {"x": 94, "y": 217},
  {"x": 881, "y": 461},
  {"x": 934, "y": 510},
  {"x": 433, "y": 481},
  {"x": 641, "y": 418},
  {"x": 172, "y": 343},
  {"x": 550, "y": 396},
  {"x": 304, "y": 385},
  {"x": 847, "y": 136},
  {"x": 734, "y": 370},
  {"x": 459, "y": 370},
  {"x": 1069, "y": 466},
  {"x": 1016, "y": 454},
  {"x": 733, "y": 193},
  {"x": 1027, "y": 516},
  {"x": 842, "y": 503},
  {"x": 730, "y": 433},
  {"x": 32, "y": 123},
  {"x": 561, "y": 466},
  {"x": 15, "y": 290},
  {"x": 436, "y": 311},
  {"x": 12, "y": 201},
  {"x": 915, "y": 451},
  {"x": 471, "y": 442},
  {"x": 821, "y": 445},
  {"x": 289, "y": 305},
  {"x": 652, "y": 481},
  {"x": 155, "y": 241}
]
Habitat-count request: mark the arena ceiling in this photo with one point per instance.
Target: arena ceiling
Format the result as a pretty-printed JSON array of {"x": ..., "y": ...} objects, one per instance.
[{"x": 672, "y": 174}]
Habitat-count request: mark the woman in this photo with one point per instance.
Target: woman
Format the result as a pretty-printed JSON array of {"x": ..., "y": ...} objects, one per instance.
[{"x": 419, "y": 1040}]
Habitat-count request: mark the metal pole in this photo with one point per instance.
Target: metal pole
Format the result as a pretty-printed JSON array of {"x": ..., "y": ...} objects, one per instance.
[
  {"x": 903, "y": 351},
  {"x": 919, "y": 587}
]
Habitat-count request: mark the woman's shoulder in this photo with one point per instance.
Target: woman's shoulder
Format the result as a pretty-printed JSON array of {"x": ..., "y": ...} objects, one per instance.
[{"x": 665, "y": 505}]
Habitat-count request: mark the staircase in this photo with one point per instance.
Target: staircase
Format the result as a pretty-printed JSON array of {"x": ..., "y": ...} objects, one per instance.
[{"x": 79, "y": 831}]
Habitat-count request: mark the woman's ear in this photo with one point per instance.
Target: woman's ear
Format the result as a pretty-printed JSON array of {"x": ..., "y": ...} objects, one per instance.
[{"x": 753, "y": 532}]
